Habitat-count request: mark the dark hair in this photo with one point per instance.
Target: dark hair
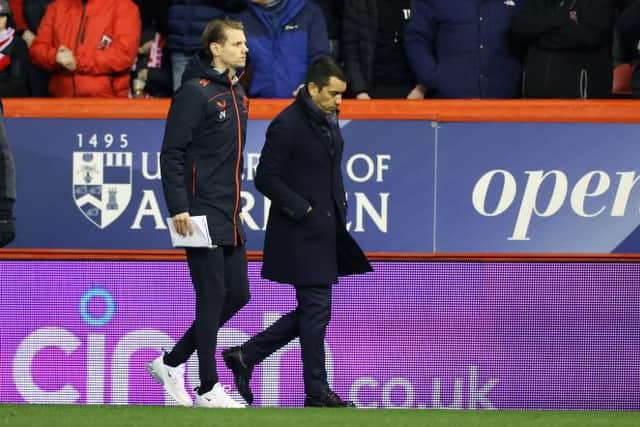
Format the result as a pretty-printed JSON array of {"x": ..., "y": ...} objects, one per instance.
[
  {"x": 321, "y": 70},
  {"x": 216, "y": 32},
  {"x": 10, "y": 21}
]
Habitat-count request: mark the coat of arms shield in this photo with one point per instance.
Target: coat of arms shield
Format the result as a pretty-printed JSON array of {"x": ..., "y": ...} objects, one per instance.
[{"x": 102, "y": 185}]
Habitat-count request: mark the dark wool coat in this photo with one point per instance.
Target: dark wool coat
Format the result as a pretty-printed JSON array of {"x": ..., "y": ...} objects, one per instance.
[{"x": 299, "y": 168}]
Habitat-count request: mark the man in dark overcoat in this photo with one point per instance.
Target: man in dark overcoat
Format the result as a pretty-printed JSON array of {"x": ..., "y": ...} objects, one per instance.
[{"x": 306, "y": 243}]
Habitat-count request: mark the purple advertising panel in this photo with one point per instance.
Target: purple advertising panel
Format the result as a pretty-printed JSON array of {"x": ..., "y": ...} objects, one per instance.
[{"x": 415, "y": 335}]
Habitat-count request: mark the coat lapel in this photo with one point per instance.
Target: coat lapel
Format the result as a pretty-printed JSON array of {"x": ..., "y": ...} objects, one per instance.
[{"x": 320, "y": 126}]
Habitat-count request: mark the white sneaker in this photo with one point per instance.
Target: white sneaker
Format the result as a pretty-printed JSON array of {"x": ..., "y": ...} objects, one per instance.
[
  {"x": 172, "y": 379},
  {"x": 217, "y": 397}
]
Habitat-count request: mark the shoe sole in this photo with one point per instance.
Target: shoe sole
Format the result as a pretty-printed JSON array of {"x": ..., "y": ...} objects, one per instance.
[{"x": 200, "y": 405}]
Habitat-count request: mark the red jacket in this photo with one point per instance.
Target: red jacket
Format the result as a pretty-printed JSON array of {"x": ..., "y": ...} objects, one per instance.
[
  {"x": 17, "y": 10},
  {"x": 103, "y": 35}
]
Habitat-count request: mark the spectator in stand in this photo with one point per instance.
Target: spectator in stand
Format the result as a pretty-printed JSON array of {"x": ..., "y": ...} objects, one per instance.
[
  {"x": 333, "y": 10},
  {"x": 7, "y": 187},
  {"x": 629, "y": 22},
  {"x": 151, "y": 74},
  {"x": 154, "y": 13},
  {"x": 187, "y": 20},
  {"x": 284, "y": 38},
  {"x": 374, "y": 55},
  {"x": 27, "y": 15},
  {"x": 568, "y": 47},
  {"x": 88, "y": 46},
  {"x": 462, "y": 49},
  {"x": 14, "y": 57},
  {"x": 629, "y": 28}
]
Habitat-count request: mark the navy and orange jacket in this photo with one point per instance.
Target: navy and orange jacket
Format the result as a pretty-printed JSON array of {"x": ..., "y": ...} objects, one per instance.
[
  {"x": 102, "y": 34},
  {"x": 201, "y": 160}
]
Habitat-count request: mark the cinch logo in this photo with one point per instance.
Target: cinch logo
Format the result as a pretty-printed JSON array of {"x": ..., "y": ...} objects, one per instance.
[
  {"x": 96, "y": 367},
  {"x": 102, "y": 185}
]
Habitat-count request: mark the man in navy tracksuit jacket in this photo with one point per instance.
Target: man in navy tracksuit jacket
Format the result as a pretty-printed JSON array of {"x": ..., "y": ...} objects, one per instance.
[
  {"x": 462, "y": 48},
  {"x": 284, "y": 37},
  {"x": 201, "y": 164}
]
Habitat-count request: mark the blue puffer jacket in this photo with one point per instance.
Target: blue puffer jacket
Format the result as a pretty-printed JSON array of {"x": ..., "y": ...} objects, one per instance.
[
  {"x": 281, "y": 50},
  {"x": 463, "y": 49},
  {"x": 187, "y": 19}
]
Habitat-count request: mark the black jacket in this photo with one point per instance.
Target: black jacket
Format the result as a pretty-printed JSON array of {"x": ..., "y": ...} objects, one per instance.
[
  {"x": 201, "y": 159},
  {"x": 566, "y": 58},
  {"x": 629, "y": 28},
  {"x": 629, "y": 23},
  {"x": 359, "y": 43},
  {"x": 14, "y": 79},
  {"x": 300, "y": 168},
  {"x": 359, "y": 30},
  {"x": 33, "y": 12},
  {"x": 7, "y": 187},
  {"x": 154, "y": 14},
  {"x": 332, "y": 10}
]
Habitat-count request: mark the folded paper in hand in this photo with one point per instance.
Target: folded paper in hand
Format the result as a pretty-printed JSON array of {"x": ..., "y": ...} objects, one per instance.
[{"x": 200, "y": 237}]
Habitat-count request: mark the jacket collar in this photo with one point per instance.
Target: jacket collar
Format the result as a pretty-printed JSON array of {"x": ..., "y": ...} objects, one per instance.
[
  {"x": 284, "y": 13},
  {"x": 312, "y": 109},
  {"x": 200, "y": 67},
  {"x": 326, "y": 125}
]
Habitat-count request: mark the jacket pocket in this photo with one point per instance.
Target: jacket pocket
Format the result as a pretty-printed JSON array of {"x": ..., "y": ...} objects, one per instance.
[{"x": 314, "y": 224}]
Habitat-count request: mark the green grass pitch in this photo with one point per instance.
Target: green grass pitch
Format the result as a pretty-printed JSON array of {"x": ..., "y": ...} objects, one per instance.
[{"x": 159, "y": 416}]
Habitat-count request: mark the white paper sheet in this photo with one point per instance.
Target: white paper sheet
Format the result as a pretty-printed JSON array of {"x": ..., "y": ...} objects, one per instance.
[{"x": 200, "y": 237}]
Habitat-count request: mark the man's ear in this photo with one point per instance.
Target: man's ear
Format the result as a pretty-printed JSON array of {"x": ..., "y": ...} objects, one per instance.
[
  {"x": 313, "y": 89},
  {"x": 214, "y": 48}
]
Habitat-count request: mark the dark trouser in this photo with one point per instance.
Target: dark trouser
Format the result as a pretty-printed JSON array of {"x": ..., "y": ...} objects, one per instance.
[
  {"x": 309, "y": 322},
  {"x": 220, "y": 280},
  {"x": 39, "y": 82}
]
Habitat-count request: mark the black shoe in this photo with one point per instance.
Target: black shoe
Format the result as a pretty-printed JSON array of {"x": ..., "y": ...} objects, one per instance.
[
  {"x": 328, "y": 399},
  {"x": 234, "y": 359}
]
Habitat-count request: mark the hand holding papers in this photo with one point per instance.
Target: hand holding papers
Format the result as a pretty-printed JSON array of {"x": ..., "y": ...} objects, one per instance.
[{"x": 199, "y": 237}]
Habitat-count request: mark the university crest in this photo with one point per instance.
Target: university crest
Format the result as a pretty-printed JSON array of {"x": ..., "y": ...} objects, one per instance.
[{"x": 102, "y": 185}]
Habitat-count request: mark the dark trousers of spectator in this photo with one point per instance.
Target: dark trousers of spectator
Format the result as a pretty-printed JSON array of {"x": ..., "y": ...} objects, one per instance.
[
  {"x": 309, "y": 322},
  {"x": 221, "y": 285},
  {"x": 39, "y": 82}
]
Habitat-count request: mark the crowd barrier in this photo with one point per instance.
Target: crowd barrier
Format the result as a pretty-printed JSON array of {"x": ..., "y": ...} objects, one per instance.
[
  {"x": 532, "y": 205},
  {"x": 433, "y": 179}
]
